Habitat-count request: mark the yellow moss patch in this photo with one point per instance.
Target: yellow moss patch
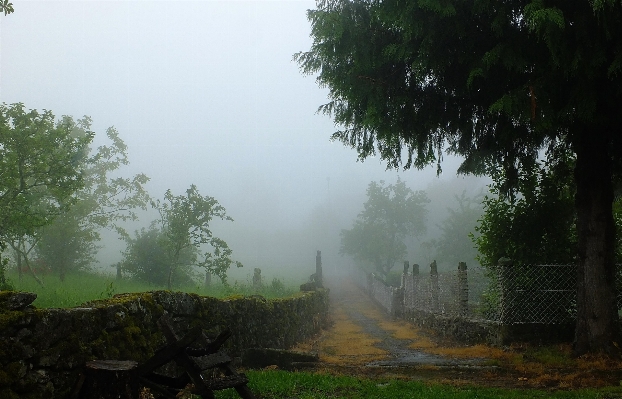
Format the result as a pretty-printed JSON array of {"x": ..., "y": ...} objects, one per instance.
[
  {"x": 371, "y": 311},
  {"x": 347, "y": 343},
  {"x": 597, "y": 362}
]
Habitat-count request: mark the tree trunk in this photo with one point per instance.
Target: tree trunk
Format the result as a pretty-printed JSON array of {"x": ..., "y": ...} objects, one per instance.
[
  {"x": 37, "y": 279},
  {"x": 169, "y": 279},
  {"x": 22, "y": 254},
  {"x": 597, "y": 328},
  {"x": 20, "y": 272}
]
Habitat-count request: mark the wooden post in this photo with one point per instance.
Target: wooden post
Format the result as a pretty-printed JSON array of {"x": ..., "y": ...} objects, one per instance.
[
  {"x": 110, "y": 379},
  {"x": 463, "y": 290},
  {"x": 434, "y": 289}
]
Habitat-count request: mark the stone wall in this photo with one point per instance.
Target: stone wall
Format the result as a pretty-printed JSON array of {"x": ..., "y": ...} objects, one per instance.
[
  {"x": 462, "y": 329},
  {"x": 42, "y": 351},
  {"x": 382, "y": 294}
]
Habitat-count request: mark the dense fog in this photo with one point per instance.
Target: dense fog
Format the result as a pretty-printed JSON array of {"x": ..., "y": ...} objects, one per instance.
[{"x": 206, "y": 93}]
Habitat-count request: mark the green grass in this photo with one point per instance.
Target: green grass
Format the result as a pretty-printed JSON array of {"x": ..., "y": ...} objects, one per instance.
[
  {"x": 276, "y": 384},
  {"x": 82, "y": 287}
]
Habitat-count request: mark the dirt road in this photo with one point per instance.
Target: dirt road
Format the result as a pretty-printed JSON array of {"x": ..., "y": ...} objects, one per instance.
[{"x": 364, "y": 340}]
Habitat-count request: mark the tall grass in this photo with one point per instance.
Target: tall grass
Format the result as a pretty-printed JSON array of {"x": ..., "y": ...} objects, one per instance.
[
  {"x": 275, "y": 384},
  {"x": 82, "y": 287}
]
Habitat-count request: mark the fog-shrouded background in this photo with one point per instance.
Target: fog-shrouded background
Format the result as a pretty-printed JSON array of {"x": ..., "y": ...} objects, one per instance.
[{"x": 206, "y": 93}]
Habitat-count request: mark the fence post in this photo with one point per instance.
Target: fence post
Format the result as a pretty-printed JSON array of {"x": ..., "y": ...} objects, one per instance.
[
  {"x": 404, "y": 274},
  {"x": 416, "y": 288},
  {"x": 506, "y": 297},
  {"x": 463, "y": 290},
  {"x": 434, "y": 289}
]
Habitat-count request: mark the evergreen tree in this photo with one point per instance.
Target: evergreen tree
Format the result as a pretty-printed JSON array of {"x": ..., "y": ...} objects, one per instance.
[{"x": 493, "y": 82}]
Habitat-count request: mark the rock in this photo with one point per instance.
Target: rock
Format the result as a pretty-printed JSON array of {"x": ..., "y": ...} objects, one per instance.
[
  {"x": 311, "y": 286},
  {"x": 18, "y": 300}
]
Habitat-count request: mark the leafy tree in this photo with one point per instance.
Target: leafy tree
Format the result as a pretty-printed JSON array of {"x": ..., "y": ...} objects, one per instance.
[
  {"x": 454, "y": 243},
  {"x": 185, "y": 224},
  {"x": 536, "y": 226},
  {"x": 391, "y": 214},
  {"x": 70, "y": 242},
  {"x": 40, "y": 169},
  {"x": 147, "y": 259},
  {"x": 494, "y": 82}
]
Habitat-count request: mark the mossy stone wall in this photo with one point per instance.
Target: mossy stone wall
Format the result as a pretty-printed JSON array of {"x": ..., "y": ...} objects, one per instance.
[{"x": 42, "y": 351}]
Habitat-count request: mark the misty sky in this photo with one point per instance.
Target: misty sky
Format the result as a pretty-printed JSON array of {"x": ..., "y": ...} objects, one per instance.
[{"x": 202, "y": 92}]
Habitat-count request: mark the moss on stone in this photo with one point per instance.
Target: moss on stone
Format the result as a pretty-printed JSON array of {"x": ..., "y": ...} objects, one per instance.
[
  {"x": 12, "y": 318},
  {"x": 5, "y": 295}
]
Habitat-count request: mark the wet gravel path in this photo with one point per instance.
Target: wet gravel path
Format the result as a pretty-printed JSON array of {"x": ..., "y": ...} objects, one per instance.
[
  {"x": 364, "y": 341},
  {"x": 351, "y": 301},
  {"x": 399, "y": 353}
]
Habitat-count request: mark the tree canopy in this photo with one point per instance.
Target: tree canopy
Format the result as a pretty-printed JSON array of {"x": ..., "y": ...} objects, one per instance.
[
  {"x": 183, "y": 237},
  {"x": 41, "y": 165},
  {"x": 536, "y": 226},
  {"x": 454, "y": 243},
  {"x": 6, "y": 7},
  {"x": 390, "y": 215},
  {"x": 70, "y": 242},
  {"x": 495, "y": 83}
]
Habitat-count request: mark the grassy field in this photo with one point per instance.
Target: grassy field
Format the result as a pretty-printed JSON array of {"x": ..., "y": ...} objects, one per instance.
[
  {"x": 82, "y": 287},
  {"x": 275, "y": 384}
]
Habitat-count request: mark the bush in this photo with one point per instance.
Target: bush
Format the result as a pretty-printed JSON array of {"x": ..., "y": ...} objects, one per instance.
[{"x": 146, "y": 259}]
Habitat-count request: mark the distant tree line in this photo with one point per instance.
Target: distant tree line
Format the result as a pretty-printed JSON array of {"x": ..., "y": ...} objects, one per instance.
[{"x": 394, "y": 215}]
